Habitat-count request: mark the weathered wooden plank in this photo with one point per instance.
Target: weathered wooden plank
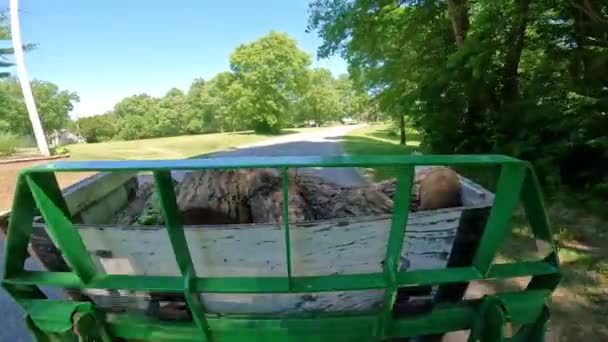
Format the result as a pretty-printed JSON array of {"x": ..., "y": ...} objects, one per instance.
[
  {"x": 92, "y": 189},
  {"x": 284, "y": 303},
  {"x": 341, "y": 246},
  {"x": 291, "y": 303},
  {"x": 344, "y": 246}
]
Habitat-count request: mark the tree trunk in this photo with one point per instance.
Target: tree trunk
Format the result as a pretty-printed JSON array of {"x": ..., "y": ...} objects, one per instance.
[
  {"x": 459, "y": 16},
  {"x": 508, "y": 121},
  {"x": 402, "y": 138},
  {"x": 516, "y": 40},
  {"x": 256, "y": 196}
]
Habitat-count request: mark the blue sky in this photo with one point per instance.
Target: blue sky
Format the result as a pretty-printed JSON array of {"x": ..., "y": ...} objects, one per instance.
[{"x": 106, "y": 50}]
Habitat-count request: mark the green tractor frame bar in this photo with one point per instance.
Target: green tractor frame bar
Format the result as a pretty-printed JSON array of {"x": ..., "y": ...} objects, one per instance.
[{"x": 48, "y": 319}]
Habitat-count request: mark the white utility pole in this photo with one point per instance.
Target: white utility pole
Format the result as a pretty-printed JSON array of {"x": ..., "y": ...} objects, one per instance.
[{"x": 25, "y": 82}]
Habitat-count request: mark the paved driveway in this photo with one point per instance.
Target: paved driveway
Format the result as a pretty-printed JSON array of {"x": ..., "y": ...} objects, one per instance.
[{"x": 325, "y": 142}]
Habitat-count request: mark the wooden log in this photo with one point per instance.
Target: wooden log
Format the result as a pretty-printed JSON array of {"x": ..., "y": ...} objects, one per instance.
[{"x": 255, "y": 196}]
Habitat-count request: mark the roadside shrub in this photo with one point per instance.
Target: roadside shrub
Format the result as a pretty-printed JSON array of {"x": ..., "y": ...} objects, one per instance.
[
  {"x": 9, "y": 143},
  {"x": 59, "y": 150}
]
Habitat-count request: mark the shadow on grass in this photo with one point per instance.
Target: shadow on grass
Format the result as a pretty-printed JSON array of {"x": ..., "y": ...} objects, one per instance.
[
  {"x": 392, "y": 135},
  {"x": 370, "y": 146},
  {"x": 283, "y": 132},
  {"x": 362, "y": 145}
]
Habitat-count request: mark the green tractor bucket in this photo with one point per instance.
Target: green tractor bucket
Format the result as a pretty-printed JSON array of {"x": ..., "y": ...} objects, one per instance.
[{"x": 38, "y": 193}]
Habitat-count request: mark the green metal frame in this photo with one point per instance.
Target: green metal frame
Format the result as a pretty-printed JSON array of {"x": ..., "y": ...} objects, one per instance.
[{"x": 37, "y": 188}]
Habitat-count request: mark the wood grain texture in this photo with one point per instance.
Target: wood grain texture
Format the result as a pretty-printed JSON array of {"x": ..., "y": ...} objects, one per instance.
[{"x": 339, "y": 246}]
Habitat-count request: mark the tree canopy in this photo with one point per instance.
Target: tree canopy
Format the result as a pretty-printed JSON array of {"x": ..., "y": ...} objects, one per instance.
[
  {"x": 269, "y": 85},
  {"x": 269, "y": 74},
  {"x": 320, "y": 101},
  {"x": 528, "y": 79},
  {"x": 5, "y": 52},
  {"x": 53, "y": 105}
]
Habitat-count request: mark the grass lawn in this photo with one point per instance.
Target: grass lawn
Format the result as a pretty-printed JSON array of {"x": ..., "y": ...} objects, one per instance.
[
  {"x": 580, "y": 304},
  {"x": 170, "y": 148},
  {"x": 160, "y": 148},
  {"x": 379, "y": 140}
]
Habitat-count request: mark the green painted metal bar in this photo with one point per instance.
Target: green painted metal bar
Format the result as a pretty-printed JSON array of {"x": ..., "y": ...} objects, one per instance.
[
  {"x": 534, "y": 332},
  {"x": 39, "y": 335},
  {"x": 401, "y": 209},
  {"x": 179, "y": 244},
  {"x": 438, "y": 276},
  {"x": 535, "y": 213},
  {"x": 271, "y": 162},
  {"x": 20, "y": 229},
  {"x": 51, "y": 204},
  {"x": 343, "y": 282},
  {"x": 66, "y": 319},
  {"x": 449, "y": 317},
  {"x": 339, "y": 282},
  {"x": 175, "y": 231},
  {"x": 524, "y": 308},
  {"x": 88, "y": 327},
  {"x": 196, "y": 308},
  {"x": 507, "y": 196},
  {"x": 544, "y": 281},
  {"x": 527, "y": 304},
  {"x": 445, "y": 318},
  {"x": 351, "y": 328},
  {"x": 489, "y": 322},
  {"x": 521, "y": 269},
  {"x": 285, "y": 206},
  {"x": 22, "y": 292}
]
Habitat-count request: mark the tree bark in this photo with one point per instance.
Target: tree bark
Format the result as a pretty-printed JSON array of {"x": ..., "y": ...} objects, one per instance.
[
  {"x": 256, "y": 196},
  {"x": 516, "y": 38},
  {"x": 459, "y": 16},
  {"x": 402, "y": 137},
  {"x": 509, "y": 93}
]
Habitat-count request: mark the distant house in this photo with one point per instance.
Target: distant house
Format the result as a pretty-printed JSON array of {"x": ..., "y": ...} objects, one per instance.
[
  {"x": 348, "y": 121},
  {"x": 65, "y": 137}
]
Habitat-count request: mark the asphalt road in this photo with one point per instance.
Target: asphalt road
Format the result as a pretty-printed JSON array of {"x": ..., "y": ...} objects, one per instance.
[{"x": 323, "y": 142}]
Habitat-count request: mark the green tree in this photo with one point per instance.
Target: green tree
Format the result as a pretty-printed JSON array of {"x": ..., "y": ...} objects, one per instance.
[
  {"x": 321, "y": 99},
  {"x": 200, "y": 119},
  {"x": 219, "y": 103},
  {"x": 97, "y": 128},
  {"x": 53, "y": 105},
  {"x": 354, "y": 100},
  {"x": 5, "y": 52},
  {"x": 137, "y": 117},
  {"x": 267, "y": 78},
  {"x": 523, "y": 78},
  {"x": 175, "y": 115}
]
